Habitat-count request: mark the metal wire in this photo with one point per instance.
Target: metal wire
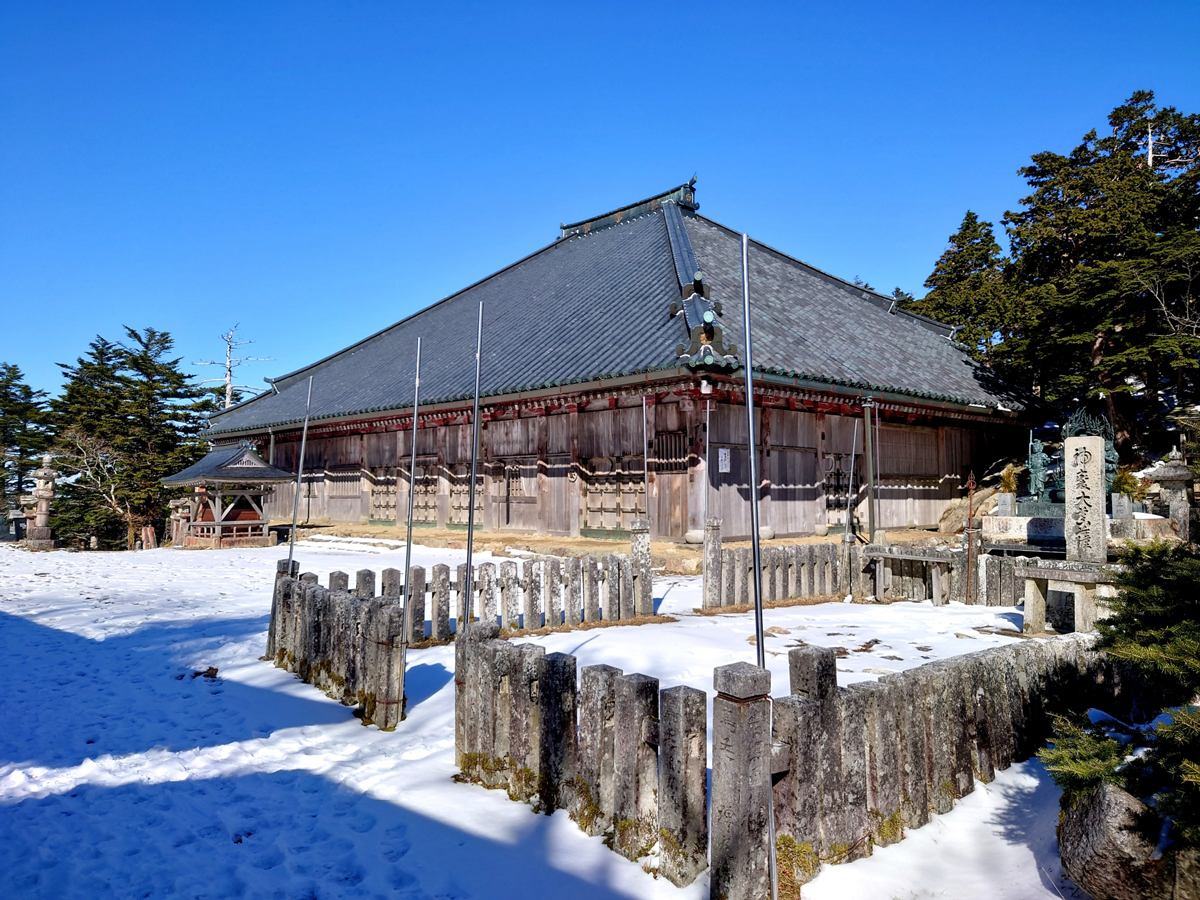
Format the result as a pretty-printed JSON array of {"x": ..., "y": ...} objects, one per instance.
[
  {"x": 299, "y": 479},
  {"x": 754, "y": 541},
  {"x": 468, "y": 611},
  {"x": 412, "y": 484}
]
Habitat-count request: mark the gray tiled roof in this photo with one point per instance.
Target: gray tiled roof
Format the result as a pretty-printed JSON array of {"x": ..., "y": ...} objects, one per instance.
[
  {"x": 228, "y": 465},
  {"x": 595, "y": 305}
]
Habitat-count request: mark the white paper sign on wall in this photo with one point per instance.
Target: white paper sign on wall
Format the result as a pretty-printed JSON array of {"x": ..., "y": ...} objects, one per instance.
[{"x": 723, "y": 459}]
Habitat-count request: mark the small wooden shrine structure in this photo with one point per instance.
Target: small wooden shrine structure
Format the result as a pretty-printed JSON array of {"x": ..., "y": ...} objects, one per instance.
[{"x": 227, "y": 507}]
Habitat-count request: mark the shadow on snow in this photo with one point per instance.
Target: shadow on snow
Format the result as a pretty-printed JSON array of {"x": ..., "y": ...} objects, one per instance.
[{"x": 70, "y": 698}]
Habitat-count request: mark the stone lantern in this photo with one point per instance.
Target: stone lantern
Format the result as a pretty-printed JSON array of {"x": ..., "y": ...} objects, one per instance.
[
  {"x": 1174, "y": 491},
  {"x": 38, "y": 535}
]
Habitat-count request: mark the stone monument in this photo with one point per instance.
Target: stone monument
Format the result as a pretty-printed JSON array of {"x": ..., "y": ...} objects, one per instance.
[
  {"x": 38, "y": 536},
  {"x": 1083, "y": 526}
]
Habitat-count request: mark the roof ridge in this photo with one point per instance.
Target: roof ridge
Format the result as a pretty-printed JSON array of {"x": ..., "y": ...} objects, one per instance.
[{"x": 684, "y": 194}]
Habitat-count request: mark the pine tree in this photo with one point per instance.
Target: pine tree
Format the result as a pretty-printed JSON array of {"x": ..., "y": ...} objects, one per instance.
[
  {"x": 1154, "y": 626},
  {"x": 23, "y": 433},
  {"x": 1105, "y": 250},
  {"x": 93, "y": 392},
  {"x": 1177, "y": 755},
  {"x": 1155, "y": 618},
  {"x": 128, "y": 417},
  {"x": 968, "y": 290}
]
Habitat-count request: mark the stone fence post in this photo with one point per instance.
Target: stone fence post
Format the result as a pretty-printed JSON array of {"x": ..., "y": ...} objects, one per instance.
[
  {"x": 627, "y": 605},
  {"x": 573, "y": 590},
  {"x": 741, "y": 783},
  {"x": 643, "y": 575},
  {"x": 510, "y": 601},
  {"x": 414, "y": 594},
  {"x": 524, "y": 732},
  {"x": 467, "y": 668},
  {"x": 554, "y": 591},
  {"x": 283, "y": 580},
  {"x": 728, "y": 567},
  {"x": 558, "y": 765},
  {"x": 683, "y": 784},
  {"x": 441, "y": 603},
  {"x": 487, "y": 591},
  {"x": 597, "y": 739},
  {"x": 534, "y": 574},
  {"x": 610, "y": 590},
  {"x": 364, "y": 584},
  {"x": 591, "y": 588},
  {"x": 635, "y": 765}
]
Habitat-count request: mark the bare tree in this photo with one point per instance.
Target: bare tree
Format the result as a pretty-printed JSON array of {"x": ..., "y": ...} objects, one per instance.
[
  {"x": 99, "y": 467},
  {"x": 231, "y": 363}
]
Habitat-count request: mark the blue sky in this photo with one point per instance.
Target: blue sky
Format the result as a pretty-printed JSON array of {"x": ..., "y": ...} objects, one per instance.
[{"x": 317, "y": 171}]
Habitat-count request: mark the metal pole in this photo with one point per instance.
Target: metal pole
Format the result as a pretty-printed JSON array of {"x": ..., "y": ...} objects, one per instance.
[
  {"x": 760, "y": 641},
  {"x": 299, "y": 478},
  {"x": 470, "y": 601},
  {"x": 870, "y": 461},
  {"x": 412, "y": 483}
]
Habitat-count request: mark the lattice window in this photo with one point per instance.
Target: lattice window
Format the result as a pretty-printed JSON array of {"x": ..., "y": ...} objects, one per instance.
[
  {"x": 344, "y": 484},
  {"x": 671, "y": 451}
]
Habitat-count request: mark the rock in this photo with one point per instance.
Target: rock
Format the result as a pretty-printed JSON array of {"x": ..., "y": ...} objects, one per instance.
[
  {"x": 955, "y": 516},
  {"x": 821, "y": 529},
  {"x": 1105, "y": 842},
  {"x": 766, "y": 533},
  {"x": 1187, "y": 874},
  {"x": 695, "y": 536}
]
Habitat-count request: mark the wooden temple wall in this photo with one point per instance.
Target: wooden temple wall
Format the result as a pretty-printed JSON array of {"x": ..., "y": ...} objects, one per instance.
[{"x": 583, "y": 471}]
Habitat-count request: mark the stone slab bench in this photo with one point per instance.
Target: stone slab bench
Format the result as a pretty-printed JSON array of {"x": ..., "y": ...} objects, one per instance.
[{"x": 1079, "y": 579}]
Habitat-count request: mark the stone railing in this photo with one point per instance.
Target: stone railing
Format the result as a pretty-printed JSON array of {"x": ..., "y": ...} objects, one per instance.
[
  {"x": 620, "y": 755},
  {"x": 347, "y": 642},
  {"x": 852, "y": 767},
  {"x": 788, "y": 571}
]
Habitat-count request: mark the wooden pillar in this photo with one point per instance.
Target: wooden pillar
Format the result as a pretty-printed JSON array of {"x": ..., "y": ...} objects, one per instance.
[
  {"x": 490, "y": 519},
  {"x": 542, "y": 437},
  {"x": 651, "y": 478},
  {"x": 442, "y": 507},
  {"x": 765, "y": 519},
  {"x": 821, "y": 516},
  {"x": 219, "y": 519},
  {"x": 575, "y": 492},
  {"x": 697, "y": 471},
  {"x": 364, "y": 482}
]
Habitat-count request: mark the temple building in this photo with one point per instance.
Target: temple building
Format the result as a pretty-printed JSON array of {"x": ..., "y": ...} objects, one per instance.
[
  {"x": 231, "y": 487},
  {"x": 612, "y": 388}
]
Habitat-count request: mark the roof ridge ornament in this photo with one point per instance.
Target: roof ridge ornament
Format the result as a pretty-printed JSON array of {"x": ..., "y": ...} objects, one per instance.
[{"x": 684, "y": 195}]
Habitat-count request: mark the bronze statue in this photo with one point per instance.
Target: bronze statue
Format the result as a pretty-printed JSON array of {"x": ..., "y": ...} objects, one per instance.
[{"x": 1039, "y": 467}]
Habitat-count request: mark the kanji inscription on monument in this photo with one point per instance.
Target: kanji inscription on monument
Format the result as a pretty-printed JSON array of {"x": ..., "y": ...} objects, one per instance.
[{"x": 1083, "y": 460}]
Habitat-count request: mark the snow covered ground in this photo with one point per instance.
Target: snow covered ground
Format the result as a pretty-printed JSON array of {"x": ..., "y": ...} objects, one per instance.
[{"x": 123, "y": 773}]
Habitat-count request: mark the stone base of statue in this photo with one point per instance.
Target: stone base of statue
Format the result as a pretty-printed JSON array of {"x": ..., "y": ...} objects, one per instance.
[{"x": 39, "y": 537}]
